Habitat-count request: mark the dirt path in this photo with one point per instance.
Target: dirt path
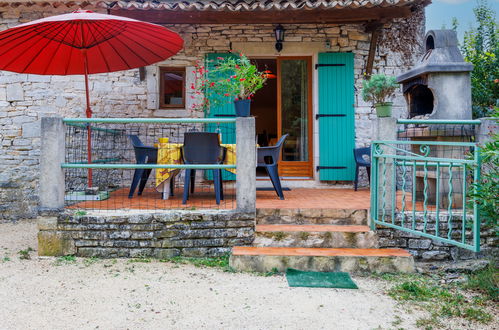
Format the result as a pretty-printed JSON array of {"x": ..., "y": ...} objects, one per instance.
[{"x": 45, "y": 293}]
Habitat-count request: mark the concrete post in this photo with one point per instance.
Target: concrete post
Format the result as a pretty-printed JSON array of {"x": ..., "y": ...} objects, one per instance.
[
  {"x": 246, "y": 164},
  {"x": 52, "y": 154},
  {"x": 488, "y": 127},
  {"x": 386, "y": 130}
]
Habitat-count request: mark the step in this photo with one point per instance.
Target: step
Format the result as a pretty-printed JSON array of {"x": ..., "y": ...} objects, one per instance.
[
  {"x": 265, "y": 259},
  {"x": 315, "y": 236},
  {"x": 325, "y": 216}
]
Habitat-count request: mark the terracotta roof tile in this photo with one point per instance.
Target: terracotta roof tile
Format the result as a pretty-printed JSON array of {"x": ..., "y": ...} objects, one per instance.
[{"x": 222, "y": 5}]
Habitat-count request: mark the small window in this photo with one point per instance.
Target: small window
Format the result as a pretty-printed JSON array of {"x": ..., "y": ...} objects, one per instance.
[{"x": 172, "y": 88}]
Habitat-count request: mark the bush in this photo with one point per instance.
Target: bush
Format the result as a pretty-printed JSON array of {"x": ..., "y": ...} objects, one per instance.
[
  {"x": 486, "y": 191},
  {"x": 481, "y": 48}
]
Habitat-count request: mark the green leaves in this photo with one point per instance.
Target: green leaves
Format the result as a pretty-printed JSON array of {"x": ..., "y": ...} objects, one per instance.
[
  {"x": 481, "y": 48},
  {"x": 379, "y": 89},
  {"x": 236, "y": 78}
]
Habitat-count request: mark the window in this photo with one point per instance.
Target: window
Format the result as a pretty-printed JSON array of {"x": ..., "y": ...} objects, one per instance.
[{"x": 172, "y": 88}]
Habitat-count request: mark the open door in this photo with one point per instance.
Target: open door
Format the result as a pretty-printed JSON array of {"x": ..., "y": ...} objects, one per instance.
[{"x": 294, "y": 115}]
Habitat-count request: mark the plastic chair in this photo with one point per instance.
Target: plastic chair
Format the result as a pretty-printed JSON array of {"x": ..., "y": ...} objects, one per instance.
[
  {"x": 144, "y": 155},
  {"x": 202, "y": 148},
  {"x": 268, "y": 158},
  {"x": 360, "y": 161}
]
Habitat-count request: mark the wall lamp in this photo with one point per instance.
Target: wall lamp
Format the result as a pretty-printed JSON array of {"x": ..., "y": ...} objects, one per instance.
[{"x": 279, "y": 37}]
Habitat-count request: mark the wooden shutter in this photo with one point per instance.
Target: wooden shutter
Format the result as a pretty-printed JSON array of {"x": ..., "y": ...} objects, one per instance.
[
  {"x": 336, "y": 116},
  {"x": 228, "y": 130}
]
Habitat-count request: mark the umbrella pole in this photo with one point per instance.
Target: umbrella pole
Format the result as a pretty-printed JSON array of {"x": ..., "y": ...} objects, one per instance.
[{"x": 89, "y": 115}]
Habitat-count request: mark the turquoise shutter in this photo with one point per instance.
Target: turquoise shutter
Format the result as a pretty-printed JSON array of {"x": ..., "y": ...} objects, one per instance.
[
  {"x": 228, "y": 130},
  {"x": 336, "y": 116}
]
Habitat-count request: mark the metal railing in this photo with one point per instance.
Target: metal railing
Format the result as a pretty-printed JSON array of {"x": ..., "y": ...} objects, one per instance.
[
  {"x": 422, "y": 185},
  {"x": 100, "y": 149}
]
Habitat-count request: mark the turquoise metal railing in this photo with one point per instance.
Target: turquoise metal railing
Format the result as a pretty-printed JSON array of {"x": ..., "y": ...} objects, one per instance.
[{"x": 416, "y": 189}]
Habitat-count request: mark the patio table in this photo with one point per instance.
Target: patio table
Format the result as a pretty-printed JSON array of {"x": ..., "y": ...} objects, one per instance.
[{"x": 171, "y": 153}]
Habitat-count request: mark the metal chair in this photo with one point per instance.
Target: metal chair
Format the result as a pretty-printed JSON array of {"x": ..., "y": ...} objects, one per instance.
[
  {"x": 268, "y": 158},
  {"x": 202, "y": 148},
  {"x": 360, "y": 161}
]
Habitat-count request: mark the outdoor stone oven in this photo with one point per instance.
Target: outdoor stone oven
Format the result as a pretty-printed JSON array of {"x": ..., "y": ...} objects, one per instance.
[{"x": 439, "y": 86}]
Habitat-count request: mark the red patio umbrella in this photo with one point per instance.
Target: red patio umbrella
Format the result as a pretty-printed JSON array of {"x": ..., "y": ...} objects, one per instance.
[{"x": 83, "y": 43}]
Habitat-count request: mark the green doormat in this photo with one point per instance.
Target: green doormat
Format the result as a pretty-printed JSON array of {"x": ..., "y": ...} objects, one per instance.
[{"x": 340, "y": 280}]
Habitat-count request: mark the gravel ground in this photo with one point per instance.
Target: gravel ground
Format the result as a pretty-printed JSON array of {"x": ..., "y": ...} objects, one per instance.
[{"x": 45, "y": 293}]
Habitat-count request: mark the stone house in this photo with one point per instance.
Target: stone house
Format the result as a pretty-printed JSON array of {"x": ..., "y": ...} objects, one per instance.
[{"x": 328, "y": 47}]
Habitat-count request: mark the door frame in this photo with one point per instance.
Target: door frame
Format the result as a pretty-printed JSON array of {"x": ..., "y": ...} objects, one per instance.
[{"x": 301, "y": 169}]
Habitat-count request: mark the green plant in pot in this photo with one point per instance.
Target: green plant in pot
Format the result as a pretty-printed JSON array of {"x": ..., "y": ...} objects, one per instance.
[
  {"x": 379, "y": 89},
  {"x": 239, "y": 79}
]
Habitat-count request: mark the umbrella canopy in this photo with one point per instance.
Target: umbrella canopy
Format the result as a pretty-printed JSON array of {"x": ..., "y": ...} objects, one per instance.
[
  {"x": 62, "y": 44},
  {"x": 84, "y": 42}
]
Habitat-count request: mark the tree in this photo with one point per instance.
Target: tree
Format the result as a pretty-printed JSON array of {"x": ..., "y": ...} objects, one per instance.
[{"x": 481, "y": 48}]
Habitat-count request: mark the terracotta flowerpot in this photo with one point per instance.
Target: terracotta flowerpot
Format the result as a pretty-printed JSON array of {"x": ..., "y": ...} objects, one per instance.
[
  {"x": 384, "y": 109},
  {"x": 242, "y": 107}
]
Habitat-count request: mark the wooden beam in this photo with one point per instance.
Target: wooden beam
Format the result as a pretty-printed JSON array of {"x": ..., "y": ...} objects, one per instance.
[
  {"x": 375, "y": 29},
  {"x": 339, "y": 16}
]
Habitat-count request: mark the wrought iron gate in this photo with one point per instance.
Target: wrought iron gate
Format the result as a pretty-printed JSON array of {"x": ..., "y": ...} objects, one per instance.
[{"x": 423, "y": 187}]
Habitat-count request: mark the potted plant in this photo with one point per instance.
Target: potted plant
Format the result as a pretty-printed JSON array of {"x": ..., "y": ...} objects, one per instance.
[
  {"x": 379, "y": 90},
  {"x": 236, "y": 78}
]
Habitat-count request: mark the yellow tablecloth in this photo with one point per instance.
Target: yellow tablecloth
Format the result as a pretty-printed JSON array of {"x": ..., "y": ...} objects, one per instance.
[{"x": 170, "y": 153}]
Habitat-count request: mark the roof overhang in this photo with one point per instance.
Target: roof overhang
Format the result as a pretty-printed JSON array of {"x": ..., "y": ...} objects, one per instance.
[{"x": 242, "y": 11}]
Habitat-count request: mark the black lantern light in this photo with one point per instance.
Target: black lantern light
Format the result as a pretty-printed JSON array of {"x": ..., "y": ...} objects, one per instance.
[{"x": 279, "y": 37}]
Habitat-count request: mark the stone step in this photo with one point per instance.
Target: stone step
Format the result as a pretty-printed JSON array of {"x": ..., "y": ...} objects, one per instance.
[
  {"x": 325, "y": 216},
  {"x": 265, "y": 259},
  {"x": 315, "y": 236}
]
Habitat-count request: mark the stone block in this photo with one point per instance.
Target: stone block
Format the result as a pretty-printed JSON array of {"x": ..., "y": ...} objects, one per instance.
[
  {"x": 194, "y": 252},
  {"x": 435, "y": 255},
  {"x": 52, "y": 243},
  {"x": 419, "y": 243},
  {"x": 47, "y": 223},
  {"x": 31, "y": 130},
  {"x": 15, "y": 92},
  {"x": 142, "y": 235},
  {"x": 165, "y": 253},
  {"x": 119, "y": 235}
]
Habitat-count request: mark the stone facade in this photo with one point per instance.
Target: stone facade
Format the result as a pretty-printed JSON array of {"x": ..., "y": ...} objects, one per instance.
[
  {"x": 159, "y": 235},
  {"x": 24, "y": 99}
]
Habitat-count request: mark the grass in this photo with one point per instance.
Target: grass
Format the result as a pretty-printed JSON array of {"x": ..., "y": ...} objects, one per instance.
[
  {"x": 80, "y": 213},
  {"x": 65, "y": 260},
  {"x": 140, "y": 260},
  {"x": 210, "y": 262},
  {"x": 485, "y": 282},
  {"x": 90, "y": 261},
  {"x": 221, "y": 263},
  {"x": 25, "y": 254},
  {"x": 470, "y": 300}
]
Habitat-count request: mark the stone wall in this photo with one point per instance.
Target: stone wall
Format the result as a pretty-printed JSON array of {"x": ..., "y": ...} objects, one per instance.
[
  {"x": 159, "y": 235},
  {"x": 24, "y": 99},
  {"x": 425, "y": 249}
]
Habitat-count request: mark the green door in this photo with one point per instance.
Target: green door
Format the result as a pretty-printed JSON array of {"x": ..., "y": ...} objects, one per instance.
[
  {"x": 227, "y": 130},
  {"x": 336, "y": 116}
]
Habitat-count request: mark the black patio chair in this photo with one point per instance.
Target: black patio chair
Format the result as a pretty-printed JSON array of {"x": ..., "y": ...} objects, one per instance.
[
  {"x": 144, "y": 155},
  {"x": 360, "y": 161},
  {"x": 268, "y": 158},
  {"x": 202, "y": 148}
]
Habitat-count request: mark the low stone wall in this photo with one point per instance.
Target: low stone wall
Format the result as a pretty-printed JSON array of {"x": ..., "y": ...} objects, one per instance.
[
  {"x": 425, "y": 249},
  {"x": 159, "y": 235}
]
